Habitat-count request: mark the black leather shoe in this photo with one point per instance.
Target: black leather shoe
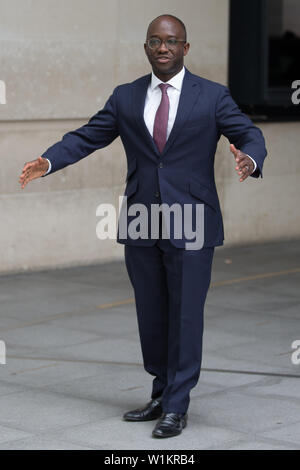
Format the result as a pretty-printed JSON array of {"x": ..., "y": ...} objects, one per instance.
[
  {"x": 170, "y": 424},
  {"x": 151, "y": 410}
]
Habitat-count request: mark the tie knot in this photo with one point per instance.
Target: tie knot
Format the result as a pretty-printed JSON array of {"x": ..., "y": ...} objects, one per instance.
[{"x": 163, "y": 87}]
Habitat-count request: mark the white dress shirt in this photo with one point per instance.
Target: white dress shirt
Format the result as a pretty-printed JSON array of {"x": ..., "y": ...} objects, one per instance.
[{"x": 153, "y": 99}]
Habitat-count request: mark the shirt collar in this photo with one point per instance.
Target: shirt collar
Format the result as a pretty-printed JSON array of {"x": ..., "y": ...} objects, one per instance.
[{"x": 175, "y": 81}]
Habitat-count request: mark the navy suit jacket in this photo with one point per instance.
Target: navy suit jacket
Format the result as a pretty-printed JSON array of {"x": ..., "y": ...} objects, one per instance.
[{"x": 184, "y": 172}]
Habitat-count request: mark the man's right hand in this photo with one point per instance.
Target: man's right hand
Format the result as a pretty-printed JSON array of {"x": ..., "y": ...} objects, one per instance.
[{"x": 34, "y": 169}]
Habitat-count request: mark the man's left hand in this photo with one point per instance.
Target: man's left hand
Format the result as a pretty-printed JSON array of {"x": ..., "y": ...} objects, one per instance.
[{"x": 245, "y": 165}]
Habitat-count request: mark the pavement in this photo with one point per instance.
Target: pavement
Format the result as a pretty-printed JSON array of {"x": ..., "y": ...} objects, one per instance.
[{"x": 74, "y": 365}]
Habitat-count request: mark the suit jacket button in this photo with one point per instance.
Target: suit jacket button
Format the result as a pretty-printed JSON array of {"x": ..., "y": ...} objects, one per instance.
[
  {"x": 157, "y": 194},
  {"x": 161, "y": 165}
]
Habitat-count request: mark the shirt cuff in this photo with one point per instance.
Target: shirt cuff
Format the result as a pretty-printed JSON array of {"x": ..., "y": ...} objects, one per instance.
[
  {"x": 255, "y": 165},
  {"x": 50, "y": 166}
]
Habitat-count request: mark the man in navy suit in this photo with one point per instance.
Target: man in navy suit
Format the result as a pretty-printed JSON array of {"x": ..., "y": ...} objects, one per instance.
[{"x": 170, "y": 122}]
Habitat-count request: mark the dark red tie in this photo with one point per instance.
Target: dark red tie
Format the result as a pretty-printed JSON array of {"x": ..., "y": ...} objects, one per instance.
[{"x": 161, "y": 119}]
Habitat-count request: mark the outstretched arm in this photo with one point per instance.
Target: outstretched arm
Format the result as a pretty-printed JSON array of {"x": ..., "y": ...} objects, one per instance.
[
  {"x": 99, "y": 132},
  {"x": 247, "y": 139}
]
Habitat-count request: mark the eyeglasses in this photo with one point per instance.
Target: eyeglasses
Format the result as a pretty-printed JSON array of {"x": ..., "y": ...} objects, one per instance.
[{"x": 155, "y": 43}]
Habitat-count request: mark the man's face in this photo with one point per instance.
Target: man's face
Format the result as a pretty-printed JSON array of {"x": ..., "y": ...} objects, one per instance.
[{"x": 166, "y": 61}]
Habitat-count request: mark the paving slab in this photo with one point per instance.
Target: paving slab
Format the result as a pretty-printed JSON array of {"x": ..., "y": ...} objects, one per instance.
[{"x": 74, "y": 363}]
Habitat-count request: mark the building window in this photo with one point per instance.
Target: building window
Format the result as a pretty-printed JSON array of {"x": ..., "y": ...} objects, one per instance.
[{"x": 264, "y": 57}]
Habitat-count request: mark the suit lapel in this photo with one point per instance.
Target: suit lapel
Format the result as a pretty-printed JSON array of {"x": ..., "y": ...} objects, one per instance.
[
  {"x": 189, "y": 94},
  {"x": 139, "y": 97}
]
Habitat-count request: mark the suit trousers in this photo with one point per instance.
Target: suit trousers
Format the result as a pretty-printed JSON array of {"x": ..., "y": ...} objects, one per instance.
[{"x": 170, "y": 286}]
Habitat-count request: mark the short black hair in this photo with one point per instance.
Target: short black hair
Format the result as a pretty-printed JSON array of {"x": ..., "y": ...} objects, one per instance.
[{"x": 174, "y": 18}]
